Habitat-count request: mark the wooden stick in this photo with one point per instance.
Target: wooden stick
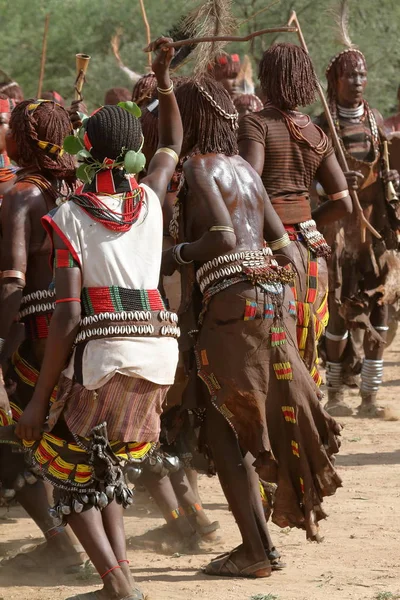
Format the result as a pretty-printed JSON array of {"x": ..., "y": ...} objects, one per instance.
[
  {"x": 148, "y": 32},
  {"x": 228, "y": 38},
  {"x": 43, "y": 57},
  {"x": 365, "y": 224}
]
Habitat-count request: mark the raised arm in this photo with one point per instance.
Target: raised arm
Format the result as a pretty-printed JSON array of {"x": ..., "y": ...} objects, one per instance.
[
  {"x": 63, "y": 329},
  {"x": 170, "y": 133}
]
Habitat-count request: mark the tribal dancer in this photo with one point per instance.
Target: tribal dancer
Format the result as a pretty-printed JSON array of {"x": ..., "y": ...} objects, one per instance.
[
  {"x": 288, "y": 151},
  {"x": 226, "y": 70},
  {"x": 7, "y": 171},
  {"x": 107, "y": 241},
  {"x": 34, "y": 140},
  {"x": 258, "y": 403},
  {"x": 358, "y": 272}
]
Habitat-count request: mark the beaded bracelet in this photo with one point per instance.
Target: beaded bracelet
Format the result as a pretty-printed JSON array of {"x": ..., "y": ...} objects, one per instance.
[
  {"x": 176, "y": 253},
  {"x": 166, "y": 91},
  {"x": 280, "y": 243}
]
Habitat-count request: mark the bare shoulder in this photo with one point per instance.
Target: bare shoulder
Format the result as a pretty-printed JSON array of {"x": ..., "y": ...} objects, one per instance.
[
  {"x": 21, "y": 198},
  {"x": 203, "y": 162}
]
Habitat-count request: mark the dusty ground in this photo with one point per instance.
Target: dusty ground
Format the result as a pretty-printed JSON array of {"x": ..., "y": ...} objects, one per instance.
[{"x": 359, "y": 559}]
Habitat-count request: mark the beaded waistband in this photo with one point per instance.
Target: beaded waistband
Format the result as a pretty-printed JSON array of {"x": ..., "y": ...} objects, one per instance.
[
  {"x": 37, "y": 303},
  {"x": 115, "y": 299},
  {"x": 128, "y": 324},
  {"x": 257, "y": 266},
  {"x": 314, "y": 240}
]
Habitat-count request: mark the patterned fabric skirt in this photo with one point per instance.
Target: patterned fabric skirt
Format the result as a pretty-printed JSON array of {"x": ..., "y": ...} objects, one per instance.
[
  {"x": 247, "y": 356},
  {"x": 87, "y": 443},
  {"x": 311, "y": 296}
]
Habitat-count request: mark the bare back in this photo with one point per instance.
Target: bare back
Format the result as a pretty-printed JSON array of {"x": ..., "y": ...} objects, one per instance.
[{"x": 224, "y": 191}]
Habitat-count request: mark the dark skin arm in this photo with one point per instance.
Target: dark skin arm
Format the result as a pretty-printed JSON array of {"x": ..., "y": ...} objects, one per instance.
[
  {"x": 162, "y": 166},
  {"x": 16, "y": 228},
  {"x": 63, "y": 329},
  {"x": 254, "y": 153},
  {"x": 332, "y": 179}
]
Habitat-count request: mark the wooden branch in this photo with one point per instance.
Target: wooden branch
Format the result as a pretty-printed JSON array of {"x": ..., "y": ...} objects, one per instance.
[
  {"x": 228, "y": 38},
  {"x": 148, "y": 32},
  {"x": 43, "y": 56},
  {"x": 365, "y": 224}
]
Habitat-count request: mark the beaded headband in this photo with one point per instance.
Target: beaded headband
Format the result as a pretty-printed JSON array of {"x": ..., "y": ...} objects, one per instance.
[
  {"x": 7, "y": 86},
  {"x": 233, "y": 118},
  {"x": 342, "y": 53}
]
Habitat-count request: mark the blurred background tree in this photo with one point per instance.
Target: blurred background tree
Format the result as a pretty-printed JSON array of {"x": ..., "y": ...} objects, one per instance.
[{"x": 82, "y": 26}]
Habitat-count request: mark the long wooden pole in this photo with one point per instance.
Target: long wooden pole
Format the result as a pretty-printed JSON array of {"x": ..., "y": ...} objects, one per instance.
[
  {"x": 148, "y": 32},
  {"x": 43, "y": 57},
  {"x": 365, "y": 224},
  {"x": 228, "y": 38}
]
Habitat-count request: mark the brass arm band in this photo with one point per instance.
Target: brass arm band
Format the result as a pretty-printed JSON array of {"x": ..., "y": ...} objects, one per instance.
[
  {"x": 280, "y": 243},
  {"x": 338, "y": 195},
  {"x": 222, "y": 228},
  {"x": 169, "y": 151},
  {"x": 13, "y": 274}
]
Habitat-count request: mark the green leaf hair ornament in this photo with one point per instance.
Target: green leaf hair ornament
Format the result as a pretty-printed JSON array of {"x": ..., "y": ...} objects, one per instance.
[
  {"x": 134, "y": 162},
  {"x": 131, "y": 107},
  {"x": 73, "y": 144}
]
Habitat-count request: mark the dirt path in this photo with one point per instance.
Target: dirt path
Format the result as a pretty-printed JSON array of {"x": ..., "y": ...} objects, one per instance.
[{"x": 359, "y": 559}]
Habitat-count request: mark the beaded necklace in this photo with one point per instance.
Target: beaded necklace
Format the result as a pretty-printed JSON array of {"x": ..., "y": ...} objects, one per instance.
[
  {"x": 374, "y": 134},
  {"x": 108, "y": 183},
  {"x": 295, "y": 131}
]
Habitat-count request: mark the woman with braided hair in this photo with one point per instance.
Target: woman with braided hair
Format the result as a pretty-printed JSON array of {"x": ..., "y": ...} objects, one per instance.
[
  {"x": 249, "y": 390},
  {"x": 111, "y": 327},
  {"x": 360, "y": 288},
  {"x": 34, "y": 141},
  {"x": 289, "y": 151}
]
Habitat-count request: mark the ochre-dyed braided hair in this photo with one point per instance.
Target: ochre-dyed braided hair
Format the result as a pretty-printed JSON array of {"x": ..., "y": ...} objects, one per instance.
[
  {"x": 117, "y": 94},
  {"x": 112, "y": 129},
  {"x": 345, "y": 61},
  {"x": 143, "y": 89},
  {"x": 287, "y": 76},
  {"x": 49, "y": 122},
  {"x": 204, "y": 127}
]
